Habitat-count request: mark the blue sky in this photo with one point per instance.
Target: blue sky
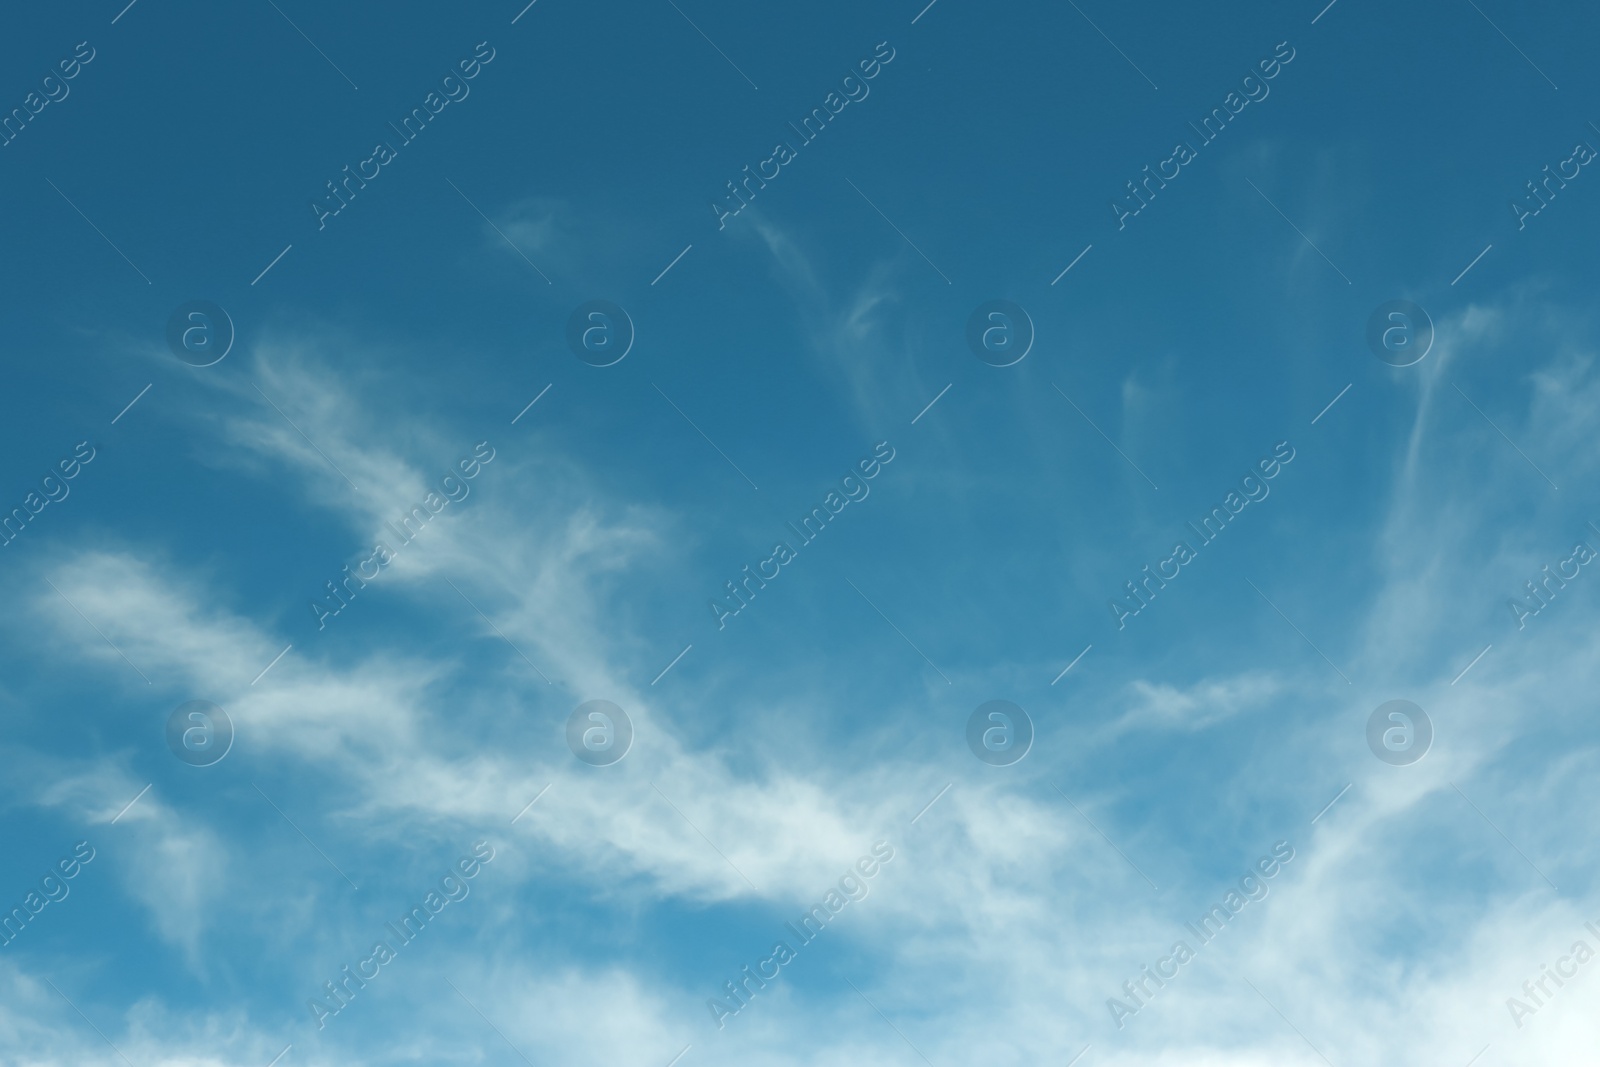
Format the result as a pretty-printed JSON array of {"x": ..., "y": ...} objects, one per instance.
[{"x": 821, "y": 326}]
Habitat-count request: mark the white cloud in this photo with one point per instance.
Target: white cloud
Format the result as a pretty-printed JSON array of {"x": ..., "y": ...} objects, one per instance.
[{"x": 1004, "y": 921}]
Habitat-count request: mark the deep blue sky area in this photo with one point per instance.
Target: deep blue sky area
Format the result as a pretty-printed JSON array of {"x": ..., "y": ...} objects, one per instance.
[{"x": 470, "y": 510}]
